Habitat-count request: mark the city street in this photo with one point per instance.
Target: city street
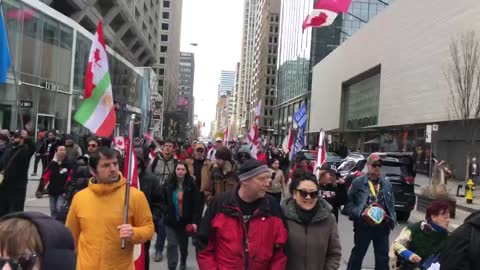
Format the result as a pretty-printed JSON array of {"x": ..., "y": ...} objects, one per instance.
[{"x": 344, "y": 227}]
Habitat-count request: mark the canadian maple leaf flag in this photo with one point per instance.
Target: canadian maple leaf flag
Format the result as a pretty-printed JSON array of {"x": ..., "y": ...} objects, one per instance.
[
  {"x": 324, "y": 12},
  {"x": 138, "y": 250}
]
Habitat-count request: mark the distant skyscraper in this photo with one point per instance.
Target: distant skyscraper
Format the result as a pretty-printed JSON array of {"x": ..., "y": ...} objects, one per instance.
[
  {"x": 227, "y": 81},
  {"x": 185, "y": 101}
]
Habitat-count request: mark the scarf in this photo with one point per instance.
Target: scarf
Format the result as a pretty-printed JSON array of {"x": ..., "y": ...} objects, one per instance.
[{"x": 306, "y": 216}]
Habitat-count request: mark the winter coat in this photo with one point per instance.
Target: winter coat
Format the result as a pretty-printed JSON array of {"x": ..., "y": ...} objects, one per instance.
[
  {"x": 420, "y": 238},
  {"x": 226, "y": 244},
  {"x": 313, "y": 246},
  {"x": 51, "y": 148},
  {"x": 463, "y": 248},
  {"x": 203, "y": 183},
  {"x": 162, "y": 167},
  {"x": 16, "y": 175},
  {"x": 153, "y": 192},
  {"x": 94, "y": 216},
  {"x": 57, "y": 176},
  {"x": 191, "y": 210},
  {"x": 40, "y": 147},
  {"x": 335, "y": 195},
  {"x": 79, "y": 180},
  {"x": 223, "y": 179},
  {"x": 278, "y": 182},
  {"x": 73, "y": 152},
  {"x": 359, "y": 194}
]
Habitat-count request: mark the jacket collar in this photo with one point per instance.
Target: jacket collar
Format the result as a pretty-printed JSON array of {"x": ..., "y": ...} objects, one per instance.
[
  {"x": 231, "y": 206},
  {"x": 103, "y": 189},
  {"x": 323, "y": 211}
]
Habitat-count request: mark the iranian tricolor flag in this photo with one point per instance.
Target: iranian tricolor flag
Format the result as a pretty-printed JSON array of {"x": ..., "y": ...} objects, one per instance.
[
  {"x": 138, "y": 250},
  {"x": 97, "y": 111},
  {"x": 226, "y": 137},
  {"x": 288, "y": 141}
]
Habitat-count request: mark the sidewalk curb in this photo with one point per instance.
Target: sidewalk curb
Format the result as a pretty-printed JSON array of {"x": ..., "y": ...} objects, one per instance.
[{"x": 459, "y": 206}]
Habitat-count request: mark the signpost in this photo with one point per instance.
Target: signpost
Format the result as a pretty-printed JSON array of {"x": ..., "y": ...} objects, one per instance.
[{"x": 430, "y": 129}]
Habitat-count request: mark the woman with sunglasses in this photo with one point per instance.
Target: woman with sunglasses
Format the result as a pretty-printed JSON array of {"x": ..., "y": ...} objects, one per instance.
[
  {"x": 35, "y": 241},
  {"x": 313, "y": 241}
]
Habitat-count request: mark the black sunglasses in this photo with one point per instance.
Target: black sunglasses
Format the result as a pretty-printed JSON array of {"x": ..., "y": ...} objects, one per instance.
[
  {"x": 377, "y": 165},
  {"x": 304, "y": 194},
  {"x": 22, "y": 262}
]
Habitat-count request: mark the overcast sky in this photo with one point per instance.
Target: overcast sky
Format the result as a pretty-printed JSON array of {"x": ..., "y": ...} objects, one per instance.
[{"x": 216, "y": 26}]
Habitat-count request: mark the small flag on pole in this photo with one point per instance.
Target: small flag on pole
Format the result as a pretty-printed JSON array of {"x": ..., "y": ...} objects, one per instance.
[
  {"x": 97, "y": 111},
  {"x": 5, "y": 60}
]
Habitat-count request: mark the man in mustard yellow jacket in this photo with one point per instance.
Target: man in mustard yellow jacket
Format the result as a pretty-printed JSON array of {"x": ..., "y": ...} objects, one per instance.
[{"x": 95, "y": 217}]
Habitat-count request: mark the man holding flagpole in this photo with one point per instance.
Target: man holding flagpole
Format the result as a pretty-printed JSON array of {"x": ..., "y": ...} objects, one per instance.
[{"x": 104, "y": 232}]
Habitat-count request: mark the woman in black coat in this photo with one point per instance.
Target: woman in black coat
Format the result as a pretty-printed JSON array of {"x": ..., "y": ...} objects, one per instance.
[{"x": 182, "y": 213}]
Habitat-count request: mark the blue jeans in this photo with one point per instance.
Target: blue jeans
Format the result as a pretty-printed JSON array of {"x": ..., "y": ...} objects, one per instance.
[
  {"x": 56, "y": 205},
  {"x": 363, "y": 235},
  {"x": 161, "y": 235}
]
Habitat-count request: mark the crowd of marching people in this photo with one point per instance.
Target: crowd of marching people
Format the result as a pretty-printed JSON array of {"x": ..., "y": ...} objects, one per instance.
[{"x": 241, "y": 211}]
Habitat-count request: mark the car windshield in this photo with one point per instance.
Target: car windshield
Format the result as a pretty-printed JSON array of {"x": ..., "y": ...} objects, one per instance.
[
  {"x": 391, "y": 170},
  {"x": 347, "y": 165},
  {"x": 332, "y": 154},
  {"x": 309, "y": 156}
]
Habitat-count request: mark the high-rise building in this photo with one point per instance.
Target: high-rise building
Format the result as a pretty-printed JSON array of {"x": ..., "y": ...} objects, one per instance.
[
  {"x": 145, "y": 32},
  {"x": 300, "y": 51},
  {"x": 130, "y": 27},
  {"x": 227, "y": 81},
  {"x": 258, "y": 63},
  {"x": 185, "y": 100},
  {"x": 233, "y": 103}
]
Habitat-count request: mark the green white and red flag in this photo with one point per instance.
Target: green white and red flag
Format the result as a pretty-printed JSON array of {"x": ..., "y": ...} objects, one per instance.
[{"x": 97, "y": 111}]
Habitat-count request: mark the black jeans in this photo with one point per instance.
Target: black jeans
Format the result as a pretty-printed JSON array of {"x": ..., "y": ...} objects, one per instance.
[
  {"x": 363, "y": 235},
  {"x": 44, "y": 163},
  {"x": 177, "y": 239}
]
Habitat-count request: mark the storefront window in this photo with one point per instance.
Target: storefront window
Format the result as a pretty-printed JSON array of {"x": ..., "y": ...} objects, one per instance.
[
  {"x": 61, "y": 111},
  {"x": 32, "y": 47},
  {"x": 81, "y": 61}
]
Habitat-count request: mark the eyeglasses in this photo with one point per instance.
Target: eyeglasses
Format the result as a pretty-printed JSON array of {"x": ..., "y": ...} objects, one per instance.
[
  {"x": 200, "y": 150},
  {"x": 92, "y": 145},
  {"x": 304, "y": 193},
  {"x": 22, "y": 262},
  {"x": 376, "y": 165}
]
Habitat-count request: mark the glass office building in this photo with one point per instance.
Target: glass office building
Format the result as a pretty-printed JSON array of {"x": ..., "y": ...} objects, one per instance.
[
  {"x": 49, "y": 59},
  {"x": 300, "y": 51}
]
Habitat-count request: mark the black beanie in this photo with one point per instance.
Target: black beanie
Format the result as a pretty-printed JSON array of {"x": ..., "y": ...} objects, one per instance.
[
  {"x": 250, "y": 169},
  {"x": 57, "y": 240},
  {"x": 223, "y": 153}
]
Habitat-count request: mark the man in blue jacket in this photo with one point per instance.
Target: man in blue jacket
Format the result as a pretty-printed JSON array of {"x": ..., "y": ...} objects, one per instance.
[{"x": 372, "y": 209}]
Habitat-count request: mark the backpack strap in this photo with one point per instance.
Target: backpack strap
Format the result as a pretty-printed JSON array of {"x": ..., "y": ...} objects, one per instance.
[{"x": 154, "y": 163}]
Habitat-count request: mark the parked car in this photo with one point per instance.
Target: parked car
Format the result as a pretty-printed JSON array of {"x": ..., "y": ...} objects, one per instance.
[
  {"x": 332, "y": 158},
  {"x": 397, "y": 168}
]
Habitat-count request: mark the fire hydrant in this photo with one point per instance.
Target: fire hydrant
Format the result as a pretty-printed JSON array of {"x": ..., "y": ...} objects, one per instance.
[{"x": 469, "y": 191}]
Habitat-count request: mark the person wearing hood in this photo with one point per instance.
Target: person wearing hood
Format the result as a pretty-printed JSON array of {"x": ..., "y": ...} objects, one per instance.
[
  {"x": 332, "y": 187},
  {"x": 463, "y": 246},
  {"x": 35, "y": 241},
  {"x": 243, "y": 154},
  {"x": 15, "y": 162},
  {"x": 422, "y": 243},
  {"x": 162, "y": 166},
  {"x": 223, "y": 177},
  {"x": 95, "y": 217},
  {"x": 313, "y": 240},
  {"x": 73, "y": 150}
]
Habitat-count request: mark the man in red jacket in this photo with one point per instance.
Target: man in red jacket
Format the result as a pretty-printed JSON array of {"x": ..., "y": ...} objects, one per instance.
[{"x": 244, "y": 229}]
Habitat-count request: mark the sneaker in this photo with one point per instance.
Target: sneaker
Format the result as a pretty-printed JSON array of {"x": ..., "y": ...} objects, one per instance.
[{"x": 158, "y": 256}]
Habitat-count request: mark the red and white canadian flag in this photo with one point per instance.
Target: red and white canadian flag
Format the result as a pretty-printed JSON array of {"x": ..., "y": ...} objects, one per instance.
[
  {"x": 138, "y": 250},
  {"x": 253, "y": 135},
  {"x": 288, "y": 141},
  {"x": 319, "y": 18},
  {"x": 324, "y": 12},
  {"x": 321, "y": 152}
]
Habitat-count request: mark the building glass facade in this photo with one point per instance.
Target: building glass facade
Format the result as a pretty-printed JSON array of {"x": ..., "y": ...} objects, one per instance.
[
  {"x": 300, "y": 51},
  {"x": 45, "y": 50}
]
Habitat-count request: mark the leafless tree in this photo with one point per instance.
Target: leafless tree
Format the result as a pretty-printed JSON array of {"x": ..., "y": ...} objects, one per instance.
[{"x": 463, "y": 78}]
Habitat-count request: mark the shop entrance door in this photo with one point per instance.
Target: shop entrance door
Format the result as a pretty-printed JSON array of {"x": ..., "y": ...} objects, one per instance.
[{"x": 45, "y": 122}]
